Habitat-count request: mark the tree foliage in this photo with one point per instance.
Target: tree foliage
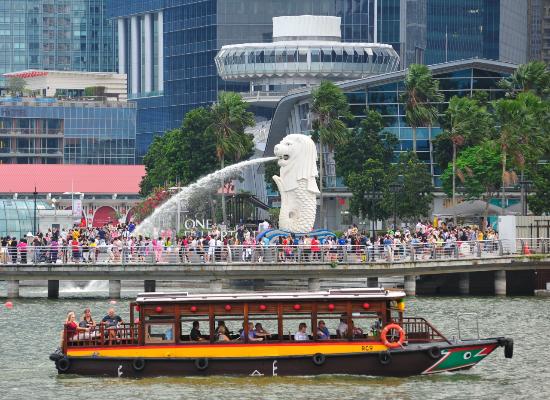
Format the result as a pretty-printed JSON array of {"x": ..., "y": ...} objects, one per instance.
[
  {"x": 468, "y": 123},
  {"x": 478, "y": 169},
  {"x": 538, "y": 202},
  {"x": 533, "y": 76},
  {"x": 330, "y": 109},
  {"x": 421, "y": 92},
  {"x": 414, "y": 199},
  {"x": 182, "y": 155}
]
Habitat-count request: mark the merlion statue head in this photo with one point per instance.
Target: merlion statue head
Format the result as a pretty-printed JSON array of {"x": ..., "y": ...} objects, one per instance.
[{"x": 297, "y": 156}]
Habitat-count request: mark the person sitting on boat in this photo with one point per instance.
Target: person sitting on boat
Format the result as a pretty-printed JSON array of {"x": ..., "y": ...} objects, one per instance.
[
  {"x": 251, "y": 333},
  {"x": 342, "y": 327},
  {"x": 260, "y": 332},
  {"x": 72, "y": 328},
  {"x": 195, "y": 333},
  {"x": 221, "y": 335},
  {"x": 356, "y": 331},
  {"x": 88, "y": 322},
  {"x": 111, "y": 322},
  {"x": 302, "y": 332},
  {"x": 322, "y": 331}
]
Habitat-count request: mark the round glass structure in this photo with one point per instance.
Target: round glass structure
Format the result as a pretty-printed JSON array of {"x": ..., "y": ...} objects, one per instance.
[
  {"x": 272, "y": 62},
  {"x": 17, "y": 216}
]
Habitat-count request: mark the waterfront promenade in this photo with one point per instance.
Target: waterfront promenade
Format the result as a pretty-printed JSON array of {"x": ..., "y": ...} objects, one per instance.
[{"x": 283, "y": 263}]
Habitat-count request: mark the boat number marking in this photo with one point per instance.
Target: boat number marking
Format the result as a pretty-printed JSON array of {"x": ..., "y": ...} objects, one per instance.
[
  {"x": 256, "y": 373},
  {"x": 367, "y": 348},
  {"x": 467, "y": 355},
  {"x": 275, "y": 367},
  {"x": 119, "y": 371}
]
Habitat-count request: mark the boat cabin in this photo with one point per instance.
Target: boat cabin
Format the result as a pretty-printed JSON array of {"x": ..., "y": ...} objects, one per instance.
[{"x": 185, "y": 319}]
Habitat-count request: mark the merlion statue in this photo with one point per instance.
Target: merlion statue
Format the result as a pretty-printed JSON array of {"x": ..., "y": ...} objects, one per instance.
[{"x": 297, "y": 185}]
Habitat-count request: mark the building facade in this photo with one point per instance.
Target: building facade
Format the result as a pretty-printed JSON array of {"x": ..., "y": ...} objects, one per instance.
[
  {"x": 382, "y": 93},
  {"x": 67, "y": 35},
  {"x": 48, "y": 131},
  {"x": 168, "y": 46}
]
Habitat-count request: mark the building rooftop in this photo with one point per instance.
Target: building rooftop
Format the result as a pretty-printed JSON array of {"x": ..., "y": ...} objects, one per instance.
[{"x": 61, "y": 178}]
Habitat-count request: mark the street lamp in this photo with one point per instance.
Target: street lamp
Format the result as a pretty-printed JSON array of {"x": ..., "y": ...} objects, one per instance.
[{"x": 34, "y": 220}]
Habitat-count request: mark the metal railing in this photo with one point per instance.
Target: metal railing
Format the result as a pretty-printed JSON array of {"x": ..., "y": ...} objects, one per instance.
[
  {"x": 528, "y": 246},
  {"x": 100, "y": 335},
  {"x": 273, "y": 254},
  {"x": 421, "y": 331}
]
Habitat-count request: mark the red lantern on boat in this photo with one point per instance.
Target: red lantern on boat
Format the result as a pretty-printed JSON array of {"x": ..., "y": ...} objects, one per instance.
[
  {"x": 366, "y": 306},
  {"x": 262, "y": 307},
  {"x": 158, "y": 309},
  {"x": 137, "y": 308},
  {"x": 331, "y": 307},
  {"x": 193, "y": 309},
  {"x": 297, "y": 307},
  {"x": 228, "y": 307}
]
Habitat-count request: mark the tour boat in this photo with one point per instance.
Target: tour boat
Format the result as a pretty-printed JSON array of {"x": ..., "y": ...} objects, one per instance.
[{"x": 368, "y": 334}]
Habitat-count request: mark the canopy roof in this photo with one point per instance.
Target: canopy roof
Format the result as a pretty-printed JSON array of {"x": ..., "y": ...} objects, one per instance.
[
  {"x": 62, "y": 178},
  {"x": 471, "y": 208}
]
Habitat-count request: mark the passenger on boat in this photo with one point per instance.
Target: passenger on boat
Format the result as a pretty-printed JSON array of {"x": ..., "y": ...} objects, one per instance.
[
  {"x": 322, "y": 331},
  {"x": 342, "y": 327},
  {"x": 72, "y": 328},
  {"x": 221, "y": 335},
  {"x": 87, "y": 322},
  {"x": 260, "y": 331},
  {"x": 111, "y": 322},
  {"x": 302, "y": 332},
  {"x": 195, "y": 333},
  {"x": 251, "y": 333},
  {"x": 357, "y": 332}
]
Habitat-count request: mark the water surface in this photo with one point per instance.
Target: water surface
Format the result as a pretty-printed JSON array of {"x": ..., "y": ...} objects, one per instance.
[{"x": 30, "y": 332}]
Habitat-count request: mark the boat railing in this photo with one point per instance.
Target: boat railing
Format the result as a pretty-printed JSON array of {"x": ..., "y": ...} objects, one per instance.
[
  {"x": 100, "y": 335},
  {"x": 418, "y": 330}
]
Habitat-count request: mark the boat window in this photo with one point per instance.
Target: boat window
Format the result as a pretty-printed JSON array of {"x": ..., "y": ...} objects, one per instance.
[
  {"x": 365, "y": 324},
  {"x": 265, "y": 326},
  {"x": 291, "y": 325},
  {"x": 200, "y": 322},
  {"x": 159, "y": 332},
  {"x": 233, "y": 326},
  {"x": 331, "y": 322}
]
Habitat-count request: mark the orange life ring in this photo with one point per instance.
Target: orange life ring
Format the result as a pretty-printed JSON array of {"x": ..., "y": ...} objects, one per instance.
[{"x": 384, "y": 333}]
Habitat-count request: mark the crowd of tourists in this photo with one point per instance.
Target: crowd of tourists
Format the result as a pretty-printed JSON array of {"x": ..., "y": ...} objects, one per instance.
[{"x": 119, "y": 244}]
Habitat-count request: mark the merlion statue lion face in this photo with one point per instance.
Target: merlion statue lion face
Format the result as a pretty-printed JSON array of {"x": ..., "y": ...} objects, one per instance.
[{"x": 297, "y": 157}]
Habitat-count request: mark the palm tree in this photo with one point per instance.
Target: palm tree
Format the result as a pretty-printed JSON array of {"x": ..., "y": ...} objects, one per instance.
[
  {"x": 533, "y": 76},
  {"x": 470, "y": 123},
  {"x": 229, "y": 120},
  {"x": 520, "y": 133},
  {"x": 330, "y": 106},
  {"x": 421, "y": 90}
]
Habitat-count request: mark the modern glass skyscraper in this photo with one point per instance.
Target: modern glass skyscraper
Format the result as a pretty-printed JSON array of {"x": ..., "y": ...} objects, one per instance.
[
  {"x": 168, "y": 46},
  {"x": 63, "y": 35}
]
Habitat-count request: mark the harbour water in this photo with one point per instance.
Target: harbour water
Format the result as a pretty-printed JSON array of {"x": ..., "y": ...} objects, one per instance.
[{"x": 30, "y": 331}]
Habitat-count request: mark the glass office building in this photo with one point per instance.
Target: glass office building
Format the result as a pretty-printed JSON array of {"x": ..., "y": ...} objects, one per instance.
[
  {"x": 68, "y": 35},
  {"x": 176, "y": 70},
  {"x": 46, "y": 131}
]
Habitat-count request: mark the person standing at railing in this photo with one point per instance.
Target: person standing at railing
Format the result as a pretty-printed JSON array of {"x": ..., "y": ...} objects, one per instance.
[
  {"x": 12, "y": 250},
  {"x": 315, "y": 249},
  {"x": 22, "y": 248}
]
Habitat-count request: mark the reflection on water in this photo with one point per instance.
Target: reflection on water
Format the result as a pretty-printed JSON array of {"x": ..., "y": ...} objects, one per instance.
[{"x": 30, "y": 331}]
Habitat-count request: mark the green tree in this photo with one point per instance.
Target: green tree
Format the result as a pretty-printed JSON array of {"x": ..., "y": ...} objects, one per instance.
[
  {"x": 182, "y": 155},
  {"x": 533, "y": 76},
  {"x": 478, "y": 168},
  {"x": 367, "y": 141},
  {"x": 420, "y": 97},
  {"x": 520, "y": 134},
  {"x": 229, "y": 119},
  {"x": 469, "y": 123},
  {"x": 371, "y": 196},
  {"x": 330, "y": 108},
  {"x": 16, "y": 85},
  {"x": 415, "y": 198},
  {"x": 538, "y": 202}
]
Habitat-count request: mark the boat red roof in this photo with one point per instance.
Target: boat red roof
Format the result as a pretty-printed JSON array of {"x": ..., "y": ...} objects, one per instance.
[{"x": 60, "y": 178}]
